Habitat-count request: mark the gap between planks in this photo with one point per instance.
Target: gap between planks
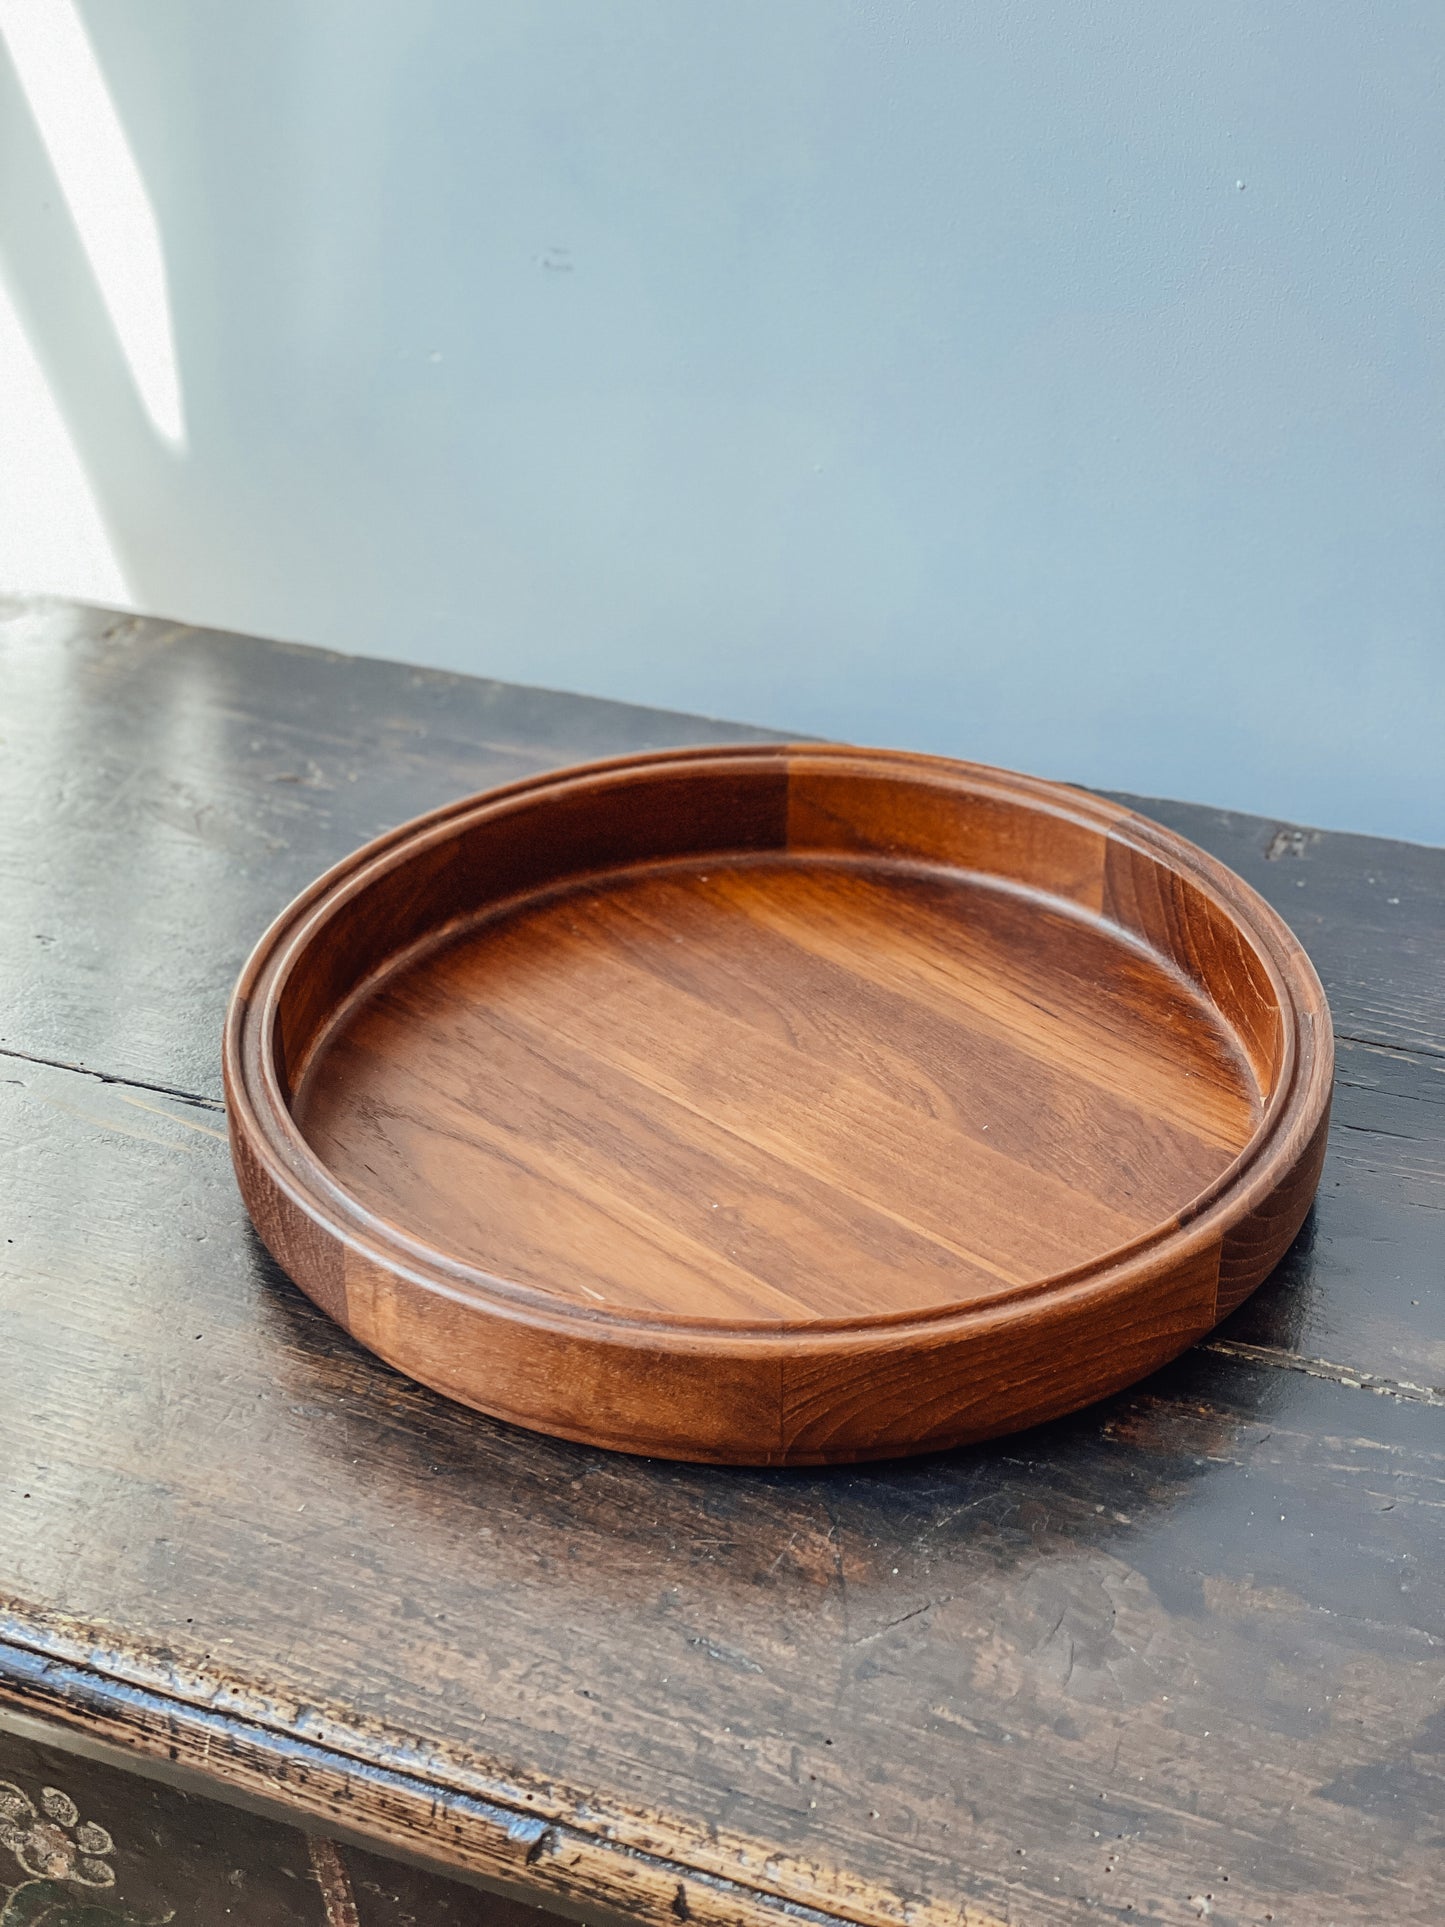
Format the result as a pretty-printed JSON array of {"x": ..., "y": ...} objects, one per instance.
[
  {"x": 1392, "y": 1045},
  {"x": 110, "y": 1077},
  {"x": 1324, "y": 1368}
]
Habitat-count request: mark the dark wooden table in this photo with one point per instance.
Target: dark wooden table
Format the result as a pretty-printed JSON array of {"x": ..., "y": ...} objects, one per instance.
[{"x": 1181, "y": 1657}]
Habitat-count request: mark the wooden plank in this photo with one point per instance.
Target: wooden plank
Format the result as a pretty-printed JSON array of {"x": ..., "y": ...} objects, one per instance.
[{"x": 1176, "y": 1652}]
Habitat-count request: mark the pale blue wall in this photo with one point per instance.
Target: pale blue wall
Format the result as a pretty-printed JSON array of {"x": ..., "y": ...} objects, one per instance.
[{"x": 908, "y": 372}]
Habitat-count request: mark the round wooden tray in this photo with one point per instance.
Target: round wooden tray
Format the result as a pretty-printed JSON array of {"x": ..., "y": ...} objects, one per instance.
[{"x": 778, "y": 1105}]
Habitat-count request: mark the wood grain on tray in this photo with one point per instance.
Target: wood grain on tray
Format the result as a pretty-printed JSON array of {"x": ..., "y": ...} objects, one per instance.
[{"x": 779, "y": 1105}]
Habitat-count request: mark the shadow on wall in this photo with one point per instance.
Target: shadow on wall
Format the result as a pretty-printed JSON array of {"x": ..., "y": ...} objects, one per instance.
[{"x": 1059, "y": 390}]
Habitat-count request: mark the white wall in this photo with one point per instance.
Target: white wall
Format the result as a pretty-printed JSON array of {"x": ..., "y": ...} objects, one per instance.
[{"x": 1054, "y": 384}]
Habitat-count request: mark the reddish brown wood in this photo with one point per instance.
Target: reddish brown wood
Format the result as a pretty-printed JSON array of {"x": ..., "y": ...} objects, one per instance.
[{"x": 778, "y": 1105}]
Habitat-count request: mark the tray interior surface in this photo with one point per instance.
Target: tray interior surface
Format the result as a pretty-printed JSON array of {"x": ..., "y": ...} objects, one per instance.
[{"x": 768, "y": 1090}]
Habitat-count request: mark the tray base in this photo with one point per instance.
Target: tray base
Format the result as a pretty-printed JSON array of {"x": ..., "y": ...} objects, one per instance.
[{"x": 773, "y": 1091}]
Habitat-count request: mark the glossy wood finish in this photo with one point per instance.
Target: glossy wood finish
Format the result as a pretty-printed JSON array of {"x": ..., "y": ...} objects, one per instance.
[
  {"x": 778, "y": 1106},
  {"x": 1180, "y": 1650}
]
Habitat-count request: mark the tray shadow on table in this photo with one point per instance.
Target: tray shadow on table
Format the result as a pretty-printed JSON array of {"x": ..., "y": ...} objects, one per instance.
[
  {"x": 1114, "y": 1473},
  {"x": 1278, "y": 1314}
]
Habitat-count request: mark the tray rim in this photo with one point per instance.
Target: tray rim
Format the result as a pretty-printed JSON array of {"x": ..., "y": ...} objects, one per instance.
[{"x": 259, "y": 1114}]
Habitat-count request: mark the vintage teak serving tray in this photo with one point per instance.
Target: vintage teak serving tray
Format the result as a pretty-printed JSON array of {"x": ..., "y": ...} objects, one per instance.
[{"x": 778, "y": 1105}]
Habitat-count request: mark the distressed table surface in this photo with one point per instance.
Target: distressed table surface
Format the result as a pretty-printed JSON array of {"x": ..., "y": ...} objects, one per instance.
[{"x": 1177, "y": 1658}]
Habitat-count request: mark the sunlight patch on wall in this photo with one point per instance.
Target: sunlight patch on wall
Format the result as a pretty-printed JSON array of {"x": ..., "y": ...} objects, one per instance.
[
  {"x": 53, "y": 540},
  {"x": 104, "y": 192}
]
